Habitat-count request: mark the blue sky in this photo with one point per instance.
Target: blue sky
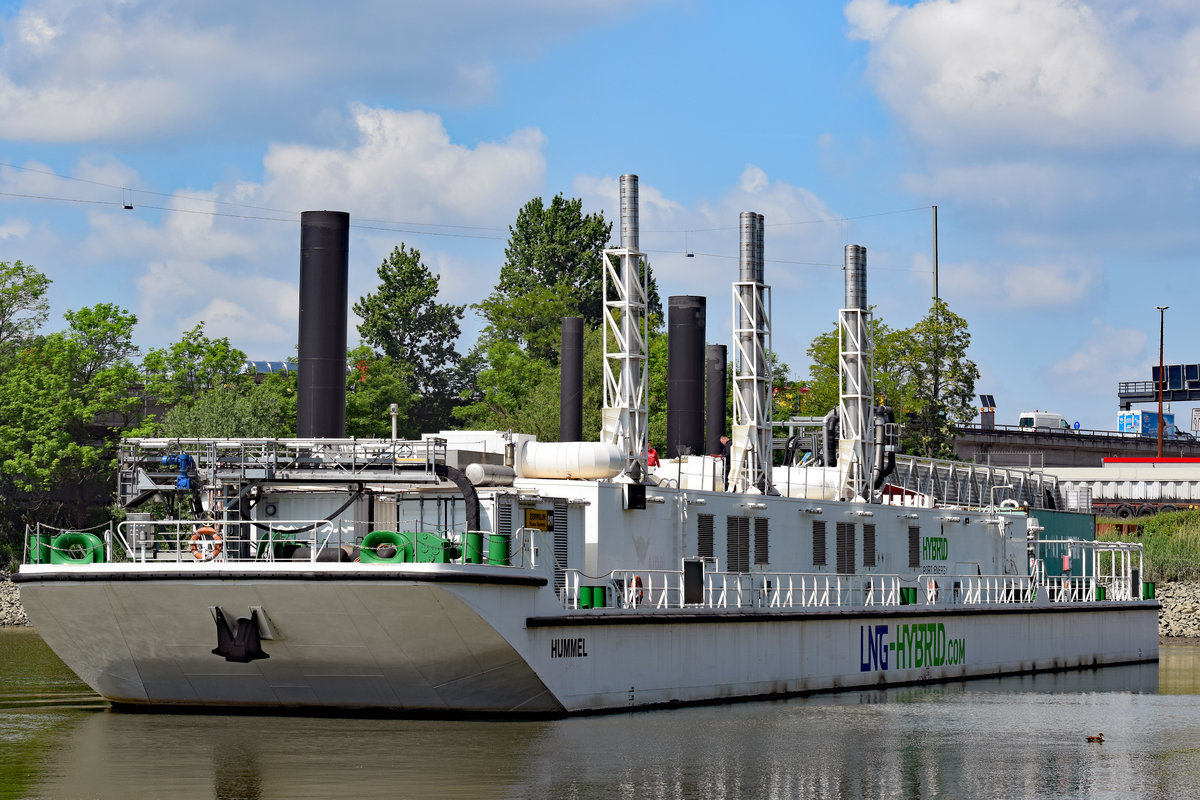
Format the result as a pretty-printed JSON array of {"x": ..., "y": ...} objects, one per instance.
[{"x": 1059, "y": 140}]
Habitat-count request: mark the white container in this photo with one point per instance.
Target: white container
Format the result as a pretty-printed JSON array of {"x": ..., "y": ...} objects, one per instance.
[
  {"x": 580, "y": 460},
  {"x": 812, "y": 483}
]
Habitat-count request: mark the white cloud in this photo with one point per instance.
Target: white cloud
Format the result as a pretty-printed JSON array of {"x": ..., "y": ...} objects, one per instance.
[
  {"x": 252, "y": 310},
  {"x": 869, "y": 19},
  {"x": 1106, "y": 351},
  {"x": 86, "y": 70},
  {"x": 1071, "y": 74},
  {"x": 401, "y": 166},
  {"x": 404, "y": 166},
  {"x": 799, "y": 226},
  {"x": 15, "y": 229},
  {"x": 1016, "y": 286}
]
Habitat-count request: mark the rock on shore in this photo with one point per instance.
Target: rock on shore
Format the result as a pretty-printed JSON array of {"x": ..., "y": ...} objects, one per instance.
[
  {"x": 1179, "y": 615},
  {"x": 11, "y": 612}
]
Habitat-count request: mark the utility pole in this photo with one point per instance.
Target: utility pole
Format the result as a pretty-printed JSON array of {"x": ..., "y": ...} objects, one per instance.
[
  {"x": 935, "y": 255},
  {"x": 1162, "y": 378}
]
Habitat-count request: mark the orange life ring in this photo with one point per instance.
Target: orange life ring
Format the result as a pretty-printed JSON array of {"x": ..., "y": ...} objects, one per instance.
[
  {"x": 206, "y": 544},
  {"x": 637, "y": 584}
]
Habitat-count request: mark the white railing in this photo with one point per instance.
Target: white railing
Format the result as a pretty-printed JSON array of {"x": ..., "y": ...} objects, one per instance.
[
  {"x": 665, "y": 589},
  {"x": 214, "y": 540}
]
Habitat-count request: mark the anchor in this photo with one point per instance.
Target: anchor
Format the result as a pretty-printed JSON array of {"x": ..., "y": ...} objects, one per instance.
[{"x": 242, "y": 646}]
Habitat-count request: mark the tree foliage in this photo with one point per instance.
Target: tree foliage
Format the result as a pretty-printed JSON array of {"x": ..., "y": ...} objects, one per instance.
[
  {"x": 373, "y": 384},
  {"x": 23, "y": 303},
  {"x": 922, "y": 372},
  {"x": 404, "y": 321},
  {"x": 237, "y": 410},
  {"x": 519, "y": 392},
  {"x": 556, "y": 246},
  {"x": 891, "y": 379},
  {"x": 61, "y": 394},
  {"x": 553, "y": 268},
  {"x": 180, "y": 371},
  {"x": 942, "y": 381}
]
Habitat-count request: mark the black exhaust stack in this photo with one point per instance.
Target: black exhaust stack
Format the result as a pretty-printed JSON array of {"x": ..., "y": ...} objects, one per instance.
[
  {"x": 570, "y": 388},
  {"x": 685, "y": 375},
  {"x": 715, "y": 360},
  {"x": 324, "y": 274}
]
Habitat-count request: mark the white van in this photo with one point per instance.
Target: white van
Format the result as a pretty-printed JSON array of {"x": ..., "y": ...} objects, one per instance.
[{"x": 1044, "y": 420}]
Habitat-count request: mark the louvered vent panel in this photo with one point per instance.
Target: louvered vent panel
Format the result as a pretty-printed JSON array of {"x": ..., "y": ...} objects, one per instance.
[
  {"x": 868, "y": 545},
  {"x": 914, "y": 547},
  {"x": 560, "y": 544},
  {"x": 818, "y": 543},
  {"x": 845, "y": 548},
  {"x": 762, "y": 541},
  {"x": 504, "y": 515},
  {"x": 704, "y": 536},
  {"x": 737, "y": 544}
]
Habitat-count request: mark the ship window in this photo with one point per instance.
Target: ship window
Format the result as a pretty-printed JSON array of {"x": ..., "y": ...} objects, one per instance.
[
  {"x": 761, "y": 541},
  {"x": 914, "y": 547},
  {"x": 868, "y": 545},
  {"x": 845, "y": 548},
  {"x": 704, "y": 536},
  {"x": 737, "y": 544},
  {"x": 818, "y": 543}
]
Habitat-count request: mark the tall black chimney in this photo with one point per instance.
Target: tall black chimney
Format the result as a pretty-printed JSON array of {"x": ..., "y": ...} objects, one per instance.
[
  {"x": 324, "y": 273},
  {"x": 685, "y": 375},
  {"x": 714, "y": 366},
  {"x": 570, "y": 381}
]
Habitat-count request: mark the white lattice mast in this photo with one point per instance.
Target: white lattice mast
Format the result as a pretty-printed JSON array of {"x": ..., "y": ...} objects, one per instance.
[
  {"x": 857, "y": 392},
  {"x": 750, "y": 450},
  {"x": 625, "y": 337}
]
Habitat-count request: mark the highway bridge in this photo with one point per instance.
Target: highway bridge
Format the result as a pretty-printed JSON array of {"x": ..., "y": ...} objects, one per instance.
[{"x": 1013, "y": 446}]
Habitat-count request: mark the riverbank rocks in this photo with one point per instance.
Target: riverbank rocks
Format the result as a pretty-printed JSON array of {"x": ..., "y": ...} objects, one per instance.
[
  {"x": 11, "y": 612},
  {"x": 1180, "y": 612}
]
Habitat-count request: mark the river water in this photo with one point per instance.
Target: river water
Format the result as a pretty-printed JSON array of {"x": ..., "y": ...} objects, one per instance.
[{"x": 1011, "y": 737}]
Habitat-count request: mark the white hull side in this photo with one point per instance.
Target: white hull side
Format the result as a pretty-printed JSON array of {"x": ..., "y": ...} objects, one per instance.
[
  {"x": 407, "y": 646},
  {"x": 630, "y": 665},
  {"x": 474, "y": 648}
]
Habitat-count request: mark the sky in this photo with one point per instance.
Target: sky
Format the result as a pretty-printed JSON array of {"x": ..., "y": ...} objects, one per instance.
[{"x": 1059, "y": 140}]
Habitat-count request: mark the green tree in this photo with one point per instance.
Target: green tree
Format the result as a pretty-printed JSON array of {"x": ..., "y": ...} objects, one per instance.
[
  {"x": 942, "y": 381},
  {"x": 63, "y": 398},
  {"x": 518, "y": 392},
  {"x": 556, "y": 246},
  {"x": 241, "y": 410},
  {"x": 404, "y": 321},
  {"x": 195, "y": 363},
  {"x": 891, "y": 377},
  {"x": 373, "y": 384},
  {"x": 521, "y": 393},
  {"x": 553, "y": 268},
  {"x": 23, "y": 303}
]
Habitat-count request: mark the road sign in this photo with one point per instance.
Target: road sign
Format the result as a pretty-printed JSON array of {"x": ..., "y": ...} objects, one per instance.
[
  {"x": 1076, "y": 424},
  {"x": 1196, "y": 419}
]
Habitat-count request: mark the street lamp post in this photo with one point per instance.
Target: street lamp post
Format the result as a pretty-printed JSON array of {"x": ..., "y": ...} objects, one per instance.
[{"x": 1161, "y": 375}]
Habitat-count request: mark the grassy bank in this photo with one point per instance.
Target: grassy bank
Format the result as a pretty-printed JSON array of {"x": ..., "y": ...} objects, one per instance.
[{"x": 1171, "y": 542}]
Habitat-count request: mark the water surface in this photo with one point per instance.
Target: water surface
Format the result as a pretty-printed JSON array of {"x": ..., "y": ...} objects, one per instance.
[{"x": 1013, "y": 737}]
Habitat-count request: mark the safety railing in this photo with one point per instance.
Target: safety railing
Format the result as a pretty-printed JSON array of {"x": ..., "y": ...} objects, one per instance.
[
  {"x": 191, "y": 540},
  {"x": 668, "y": 589}
]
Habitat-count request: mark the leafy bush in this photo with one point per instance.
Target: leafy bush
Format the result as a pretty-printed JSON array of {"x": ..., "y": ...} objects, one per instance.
[{"x": 1171, "y": 545}]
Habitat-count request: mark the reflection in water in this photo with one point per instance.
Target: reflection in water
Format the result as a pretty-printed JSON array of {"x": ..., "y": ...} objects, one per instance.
[
  {"x": 1179, "y": 668},
  {"x": 1020, "y": 737}
]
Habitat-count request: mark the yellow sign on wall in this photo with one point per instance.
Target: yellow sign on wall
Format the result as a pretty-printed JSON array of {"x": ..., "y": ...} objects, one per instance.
[{"x": 537, "y": 518}]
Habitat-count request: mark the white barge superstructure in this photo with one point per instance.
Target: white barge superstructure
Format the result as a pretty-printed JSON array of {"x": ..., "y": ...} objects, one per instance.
[{"x": 376, "y": 575}]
